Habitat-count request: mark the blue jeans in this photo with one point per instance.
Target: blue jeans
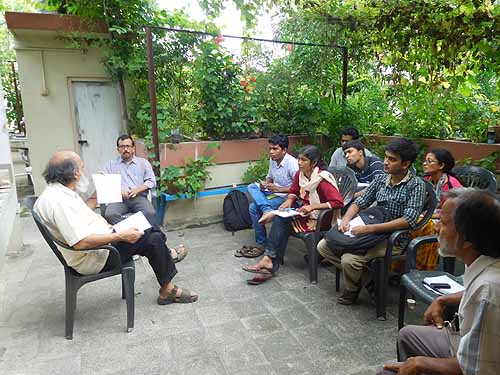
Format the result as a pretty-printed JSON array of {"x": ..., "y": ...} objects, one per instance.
[
  {"x": 260, "y": 205},
  {"x": 278, "y": 237}
]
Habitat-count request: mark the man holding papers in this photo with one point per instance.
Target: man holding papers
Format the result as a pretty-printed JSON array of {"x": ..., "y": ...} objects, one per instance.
[
  {"x": 468, "y": 230},
  {"x": 269, "y": 194},
  {"x": 401, "y": 193},
  {"x": 70, "y": 220},
  {"x": 137, "y": 178}
]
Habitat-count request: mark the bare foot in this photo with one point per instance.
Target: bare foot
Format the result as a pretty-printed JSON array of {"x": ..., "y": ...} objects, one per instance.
[
  {"x": 266, "y": 217},
  {"x": 265, "y": 263}
]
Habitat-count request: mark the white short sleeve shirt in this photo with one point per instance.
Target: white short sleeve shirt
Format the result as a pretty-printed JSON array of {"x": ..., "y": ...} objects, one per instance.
[{"x": 70, "y": 220}]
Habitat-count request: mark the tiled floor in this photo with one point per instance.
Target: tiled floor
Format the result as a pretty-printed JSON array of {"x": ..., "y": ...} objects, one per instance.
[{"x": 286, "y": 326}]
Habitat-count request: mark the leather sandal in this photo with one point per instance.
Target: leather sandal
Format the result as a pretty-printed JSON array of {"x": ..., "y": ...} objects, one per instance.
[
  {"x": 181, "y": 252},
  {"x": 250, "y": 251},
  {"x": 172, "y": 297}
]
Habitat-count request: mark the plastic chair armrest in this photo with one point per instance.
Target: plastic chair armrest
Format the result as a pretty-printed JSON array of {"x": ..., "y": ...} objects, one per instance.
[{"x": 412, "y": 249}]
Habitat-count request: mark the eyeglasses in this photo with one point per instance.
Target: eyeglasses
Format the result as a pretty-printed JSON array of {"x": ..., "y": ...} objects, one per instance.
[
  {"x": 429, "y": 161},
  {"x": 123, "y": 147}
]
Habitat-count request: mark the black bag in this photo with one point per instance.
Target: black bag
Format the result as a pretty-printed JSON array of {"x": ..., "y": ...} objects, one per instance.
[
  {"x": 340, "y": 244},
  {"x": 235, "y": 211}
]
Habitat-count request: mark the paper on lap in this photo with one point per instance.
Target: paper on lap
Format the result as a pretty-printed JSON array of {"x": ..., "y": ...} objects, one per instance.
[
  {"x": 108, "y": 187},
  {"x": 286, "y": 213},
  {"x": 356, "y": 222},
  {"x": 137, "y": 220}
]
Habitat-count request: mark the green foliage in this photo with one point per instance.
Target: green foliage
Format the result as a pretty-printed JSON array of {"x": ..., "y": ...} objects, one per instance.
[
  {"x": 257, "y": 171},
  {"x": 488, "y": 162},
  {"x": 223, "y": 105},
  {"x": 189, "y": 179}
]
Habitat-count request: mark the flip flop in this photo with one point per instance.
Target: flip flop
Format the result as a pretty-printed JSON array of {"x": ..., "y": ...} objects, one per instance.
[
  {"x": 257, "y": 280},
  {"x": 172, "y": 297},
  {"x": 260, "y": 270}
]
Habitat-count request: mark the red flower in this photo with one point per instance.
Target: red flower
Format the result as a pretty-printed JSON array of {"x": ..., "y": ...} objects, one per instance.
[
  {"x": 219, "y": 39},
  {"x": 289, "y": 47},
  {"x": 243, "y": 83},
  {"x": 252, "y": 79}
]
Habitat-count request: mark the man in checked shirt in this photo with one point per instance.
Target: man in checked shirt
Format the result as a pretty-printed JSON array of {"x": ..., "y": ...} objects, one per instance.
[
  {"x": 398, "y": 190},
  {"x": 137, "y": 179}
]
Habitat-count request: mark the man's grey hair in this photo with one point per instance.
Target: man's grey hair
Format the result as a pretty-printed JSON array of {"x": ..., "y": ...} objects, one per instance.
[
  {"x": 62, "y": 171},
  {"x": 477, "y": 219}
]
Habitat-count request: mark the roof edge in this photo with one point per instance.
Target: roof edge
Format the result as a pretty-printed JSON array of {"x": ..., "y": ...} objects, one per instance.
[{"x": 53, "y": 22}]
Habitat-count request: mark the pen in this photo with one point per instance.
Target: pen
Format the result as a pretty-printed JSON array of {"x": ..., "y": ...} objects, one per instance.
[{"x": 437, "y": 291}]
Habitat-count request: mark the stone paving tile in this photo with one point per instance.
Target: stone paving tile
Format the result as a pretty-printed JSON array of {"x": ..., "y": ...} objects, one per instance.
[
  {"x": 261, "y": 325},
  {"x": 279, "y": 346},
  {"x": 241, "y": 356},
  {"x": 285, "y": 326}
]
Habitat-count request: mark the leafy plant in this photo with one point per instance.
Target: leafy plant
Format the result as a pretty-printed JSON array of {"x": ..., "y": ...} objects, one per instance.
[
  {"x": 488, "y": 162},
  {"x": 258, "y": 170},
  {"x": 189, "y": 179}
]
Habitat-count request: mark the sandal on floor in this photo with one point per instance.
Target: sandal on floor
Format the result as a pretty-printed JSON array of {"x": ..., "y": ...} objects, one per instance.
[
  {"x": 172, "y": 297},
  {"x": 250, "y": 251},
  {"x": 239, "y": 253},
  {"x": 259, "y": 270},
  {"x": 257, "y": 280},
  {"x": 181, "y": 252}
]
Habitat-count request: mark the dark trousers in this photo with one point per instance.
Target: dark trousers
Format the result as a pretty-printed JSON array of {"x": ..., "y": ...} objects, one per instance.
[
  {"x": 152, "y": 246},
  {"x": 115, "y": 211}
]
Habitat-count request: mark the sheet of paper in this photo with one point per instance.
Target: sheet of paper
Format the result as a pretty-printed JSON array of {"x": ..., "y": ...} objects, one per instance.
[
  {"x": 137, "y": 220},
  {"x": 108, "y": 187},
  {"x": 363, "y": 184},
  {"x": 455, "y": 287},
  {"x": 354, "y": 223},
  {"x": 286, "y": 213}
]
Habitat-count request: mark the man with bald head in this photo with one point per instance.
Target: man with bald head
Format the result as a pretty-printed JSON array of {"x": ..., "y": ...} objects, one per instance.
[
  {"x": 71, "y": 221},
  {"x": 468, "y": 229}
]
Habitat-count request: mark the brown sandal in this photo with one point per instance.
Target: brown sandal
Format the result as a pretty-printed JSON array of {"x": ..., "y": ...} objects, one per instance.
[
  {"x": 172, "y": 297},
  {"x": 249, "y": 251}
]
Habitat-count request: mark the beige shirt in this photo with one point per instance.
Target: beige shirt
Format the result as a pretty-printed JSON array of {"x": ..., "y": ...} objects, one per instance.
[
  {"x": 70, "y": 220},
  {"x": 479, "y": 313}
]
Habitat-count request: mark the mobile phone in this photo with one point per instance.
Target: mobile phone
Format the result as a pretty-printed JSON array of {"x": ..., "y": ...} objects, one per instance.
[{"x": 440, "y": 285}]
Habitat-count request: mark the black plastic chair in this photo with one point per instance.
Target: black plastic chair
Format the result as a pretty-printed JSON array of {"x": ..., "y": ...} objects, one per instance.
[
  {"x": 472, "y": 176},
  {"x": 380, "y": 266},
  {"x": 346, "y": 182},
  {"x": 75, "y": 281},
  {"x": 411, "y": 281},
  {"x": 469, "y": 176}
]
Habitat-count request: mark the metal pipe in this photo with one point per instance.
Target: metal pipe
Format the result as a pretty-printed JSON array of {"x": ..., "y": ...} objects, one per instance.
[
  {"x": 345, "y": 62},
  {"x": 246, "y": 37},
  {"x": 152, "y": 99}
]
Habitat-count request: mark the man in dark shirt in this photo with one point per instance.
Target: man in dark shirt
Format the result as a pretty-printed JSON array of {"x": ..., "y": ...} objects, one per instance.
[{"x": 365, "y": 167}]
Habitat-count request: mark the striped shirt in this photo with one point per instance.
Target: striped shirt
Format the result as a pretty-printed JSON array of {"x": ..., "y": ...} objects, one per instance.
[
  {"x": 135, "y": 173},
  {"x": 282, "y": 174},
  {"x": 373, "y": 167},
  {"x": 479, "y": 314}
]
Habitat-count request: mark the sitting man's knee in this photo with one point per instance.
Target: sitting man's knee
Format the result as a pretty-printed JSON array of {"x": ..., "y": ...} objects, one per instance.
[{"x": 323, "y": 248}]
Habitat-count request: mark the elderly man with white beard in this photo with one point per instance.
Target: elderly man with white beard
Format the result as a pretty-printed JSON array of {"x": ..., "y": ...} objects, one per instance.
[
  {"x": 72, "y": 221},
  {"x": 469, "y": 223}
]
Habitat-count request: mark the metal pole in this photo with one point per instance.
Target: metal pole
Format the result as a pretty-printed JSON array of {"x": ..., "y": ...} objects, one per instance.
[
  {"x": 345, "y": 62},
  {"x": 152, "y": 99}
]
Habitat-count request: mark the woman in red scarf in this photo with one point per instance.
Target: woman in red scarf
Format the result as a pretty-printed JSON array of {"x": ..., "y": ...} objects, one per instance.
[{"x": 312, "y": 189}]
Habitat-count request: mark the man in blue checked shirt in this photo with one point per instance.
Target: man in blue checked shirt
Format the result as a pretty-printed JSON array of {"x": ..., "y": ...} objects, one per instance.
[
  {"x": 398, "y": 190},
  {"x": 137, "y": 179}
]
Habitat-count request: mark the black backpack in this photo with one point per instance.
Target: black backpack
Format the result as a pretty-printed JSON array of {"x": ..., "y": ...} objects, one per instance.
[
  {"x": 235, "y": 211},
  {"x": 340, "y": 244}
]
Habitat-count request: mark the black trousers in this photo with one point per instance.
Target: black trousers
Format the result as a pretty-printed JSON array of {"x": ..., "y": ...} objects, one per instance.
[{"x": 152, "y": 246}]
